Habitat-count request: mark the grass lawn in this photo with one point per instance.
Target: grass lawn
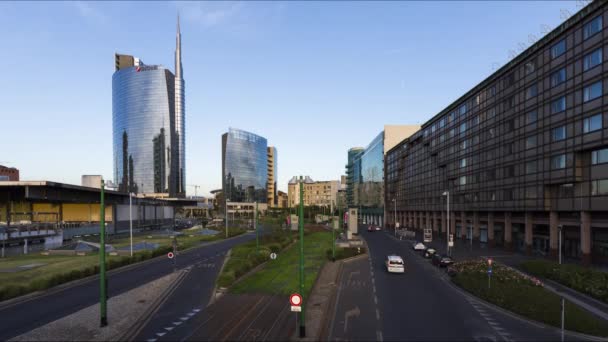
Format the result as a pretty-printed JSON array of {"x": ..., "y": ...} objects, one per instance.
[
  {"x": 57, "y": 269},
  {"x": 515, "y": 292},
  {"x": 282, "y": 274}
]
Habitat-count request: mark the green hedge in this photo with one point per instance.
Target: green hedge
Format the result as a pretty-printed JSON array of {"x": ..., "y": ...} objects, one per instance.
[
  {"x": 583, "y": 279},
  {"x": 343, "y": 253},
  {"x": 525, "y": 296}
]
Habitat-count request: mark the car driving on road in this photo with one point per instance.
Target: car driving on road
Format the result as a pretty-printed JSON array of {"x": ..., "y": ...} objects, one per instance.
[
  {"x": 429, "y": 252},
  {"x": 418, "y": 246},
  {"x": 394, "y": 264}
]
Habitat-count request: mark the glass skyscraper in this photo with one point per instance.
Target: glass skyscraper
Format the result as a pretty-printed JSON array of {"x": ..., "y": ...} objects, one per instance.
[
  {"x": 244, "y": 166},
  {"x": 148, "y": 126}
]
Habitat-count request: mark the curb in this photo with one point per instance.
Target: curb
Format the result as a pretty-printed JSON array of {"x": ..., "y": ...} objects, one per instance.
[
  {"x": 325, "y": 332},
  {"x": 136, "y": 328},
  {"x": 214, "y": 292},
  {"x": 52, "y": 290},
  {"x": 517, "y": 316}
]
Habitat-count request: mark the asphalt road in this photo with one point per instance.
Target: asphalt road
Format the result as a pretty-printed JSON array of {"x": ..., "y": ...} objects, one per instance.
[
  {"x": 25, "y": 316},
  {"x": 421, "y": 304}
]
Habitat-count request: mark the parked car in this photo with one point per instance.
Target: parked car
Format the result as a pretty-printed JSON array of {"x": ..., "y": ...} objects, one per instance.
[
  {"x": 394, "y": 264},
  {"x": 442, "y": 260},
  {"x": 429, "y": 252},
  {"x": 378, "y": 228},
  {"x": 418, "y": 246},
  {"x": 371, "y": 228}
]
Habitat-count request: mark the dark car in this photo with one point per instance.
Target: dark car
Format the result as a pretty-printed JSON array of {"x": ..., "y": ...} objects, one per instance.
[
  {"x": 442, "y": 260},
  {"x": 371, "y": 228},
  {"x": 429, "y": 252}
]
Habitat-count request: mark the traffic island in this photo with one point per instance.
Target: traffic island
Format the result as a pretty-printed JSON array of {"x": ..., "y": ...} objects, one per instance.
[{"x": 523, "y": 295}]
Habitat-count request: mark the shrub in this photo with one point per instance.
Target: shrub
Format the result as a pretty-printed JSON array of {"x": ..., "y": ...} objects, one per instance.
[{"x": 589, "y": 281}]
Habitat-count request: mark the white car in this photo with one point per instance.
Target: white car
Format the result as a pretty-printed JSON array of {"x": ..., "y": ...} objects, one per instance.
[
  {"x": 419, "y": 246},
  {"x": 394, "y": 264}
]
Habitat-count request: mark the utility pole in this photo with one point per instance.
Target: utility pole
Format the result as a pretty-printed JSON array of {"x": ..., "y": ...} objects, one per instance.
[
  {"x": 301, "y": 226},
  {"x": 102, "y": 260}
]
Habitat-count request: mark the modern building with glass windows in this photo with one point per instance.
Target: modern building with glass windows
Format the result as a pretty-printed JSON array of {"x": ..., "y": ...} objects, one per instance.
[
  {"x": 365, "y": 173},
  {"x": 523, "y": 156},
  {"x": 148, "y": 126},
  {"x": 244, "y": 166}
]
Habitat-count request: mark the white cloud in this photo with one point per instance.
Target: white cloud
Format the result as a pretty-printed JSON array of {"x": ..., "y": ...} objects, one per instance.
[
  {"x": 210, "y": 14},
  {"x": 87, "y": 11}
]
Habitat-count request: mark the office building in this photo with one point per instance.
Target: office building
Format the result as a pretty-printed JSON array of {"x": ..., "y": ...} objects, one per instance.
[
  {"x": 320, "y": 193},
  {"x": 365, "y": 173},
  {"x": 148, "y": 119},
  {"x": 9, "y": 174},
  {"x": 522, "y": 156},
  {"x": 272, "y": 177},
  {"x": 244, "y": 167},
  {"x": 282, "y": 199}
]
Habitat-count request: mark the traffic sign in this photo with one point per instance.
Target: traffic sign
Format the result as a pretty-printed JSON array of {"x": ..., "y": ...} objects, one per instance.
[
  {"x": 295, "y": 299},
  {"x": 273, "y": 256},
  {"x": 451, "y": 241},
  {"x": 296, "y": 308},
  {"x": 170, "y": 255}
]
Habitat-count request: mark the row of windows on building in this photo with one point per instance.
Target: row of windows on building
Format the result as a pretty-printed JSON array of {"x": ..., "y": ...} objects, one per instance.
[
  {"x": 557, "y": 162},
  {"x": 590, "y": 124},
  {"x": 599, "y": 187},
  {"x": 590, "y": 61}
]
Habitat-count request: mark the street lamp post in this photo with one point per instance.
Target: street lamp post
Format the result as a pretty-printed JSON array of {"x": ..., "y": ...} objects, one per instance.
[
  {"x": 255, "y": 223},
  {"x": 560, "y": 227},
  {"x": 333, "y": 234},
  {"x": 102, "y": 261},
  {"x": 447, "y": 194},
  {"x": 131, "y": 220}
]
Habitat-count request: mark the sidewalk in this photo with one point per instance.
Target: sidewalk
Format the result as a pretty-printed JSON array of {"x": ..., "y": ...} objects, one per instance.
[{"x": 463, "y": 250}]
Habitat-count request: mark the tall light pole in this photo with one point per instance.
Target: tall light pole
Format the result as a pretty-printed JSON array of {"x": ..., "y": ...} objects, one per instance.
[
  {"x": 447, "y": 194},
  {"x": 131, "y": 220},
  {"x": 560, "y": 227},
  {"x": 102, "y": 261}
]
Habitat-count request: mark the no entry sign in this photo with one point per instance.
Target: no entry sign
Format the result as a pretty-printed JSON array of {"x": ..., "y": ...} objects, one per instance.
[
  {"x": 170, "y": 255},
  {"x": 295, "y": 299}
]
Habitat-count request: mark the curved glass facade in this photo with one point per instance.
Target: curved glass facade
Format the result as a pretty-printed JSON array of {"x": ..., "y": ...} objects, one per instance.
[
  {"x": 143, "y": 120},
  {"x": 244, "y": 166}
]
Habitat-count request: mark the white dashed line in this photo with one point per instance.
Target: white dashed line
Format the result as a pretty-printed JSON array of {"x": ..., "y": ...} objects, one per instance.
[
  {"x": 196, "y": 310},
  {"x": 160, "y": 334},
  {"x": 377, "y": 314},
  {"x": 379, "y": 335},
  {"x": 184, "y": 318},
  {"x": 177, "y": 323},
  {"x": 190, "y": 314},
  {"x": 376, "y": 300},
  {"x": 151, "y": 340},
  {"x": 169, "y": 328}
]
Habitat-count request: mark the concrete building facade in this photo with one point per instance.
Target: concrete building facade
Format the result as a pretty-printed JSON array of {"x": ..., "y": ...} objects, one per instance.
[
  {"x": 319, "y": 193},
  {"x": 523, "y": 155}
]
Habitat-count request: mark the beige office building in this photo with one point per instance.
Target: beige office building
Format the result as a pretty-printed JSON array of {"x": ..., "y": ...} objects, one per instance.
[
  {"x": 272, "y": 177},
  {"x": 320, "y": 193}
]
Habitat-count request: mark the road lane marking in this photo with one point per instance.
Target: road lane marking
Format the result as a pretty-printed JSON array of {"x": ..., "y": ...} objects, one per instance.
[
  {"x": 169, "y": 328},
  {"x": 375, "y": 300},
  {"x": 160, "y": 334},
  {"x": 350, "y": 313},
  {"x": 196, "y": 310},
  {"x": 184, "y": 318},
  {"x": 379, "y": 335},
  {"x": 177, "y": 323},
  {"x": 151, "y": 340},
  {"x": 377, "y": 314}
]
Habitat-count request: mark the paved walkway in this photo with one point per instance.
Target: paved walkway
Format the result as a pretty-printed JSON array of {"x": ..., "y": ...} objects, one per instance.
[{"x": 464, "y": 250}]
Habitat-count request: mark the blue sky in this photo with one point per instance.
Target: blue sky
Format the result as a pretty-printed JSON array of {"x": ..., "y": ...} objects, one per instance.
[{"x": 314, "y": 78}]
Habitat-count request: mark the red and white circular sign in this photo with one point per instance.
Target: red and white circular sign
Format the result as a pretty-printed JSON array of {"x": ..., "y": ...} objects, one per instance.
[
  {"x": 295, "y": 299},
  {"x": 170, "y": 255}
]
